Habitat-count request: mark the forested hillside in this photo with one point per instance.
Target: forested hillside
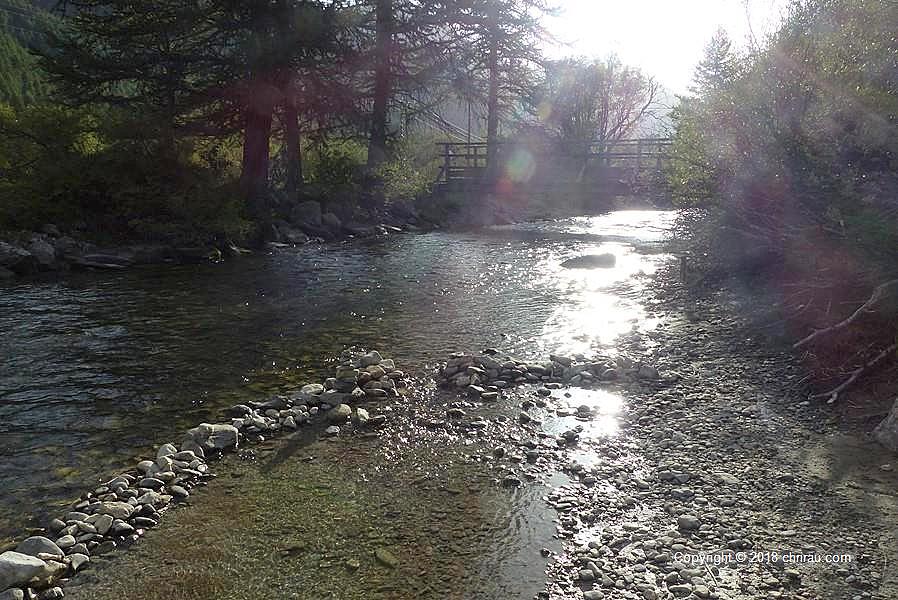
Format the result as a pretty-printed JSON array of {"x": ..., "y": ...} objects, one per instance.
[{"x": 23, "y": 29}]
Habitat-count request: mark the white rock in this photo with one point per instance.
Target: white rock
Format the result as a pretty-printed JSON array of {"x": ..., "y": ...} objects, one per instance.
[
  {"x": 117, "y": 510},
  {"x": 17, "y": 569},
  {"x": 13, "y": 594}
]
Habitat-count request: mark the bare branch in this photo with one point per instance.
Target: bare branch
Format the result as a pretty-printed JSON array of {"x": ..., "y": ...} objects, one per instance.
[{"x": 874, "y": 298}]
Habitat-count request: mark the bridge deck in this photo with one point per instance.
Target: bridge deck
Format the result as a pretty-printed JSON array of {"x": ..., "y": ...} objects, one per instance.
[{"x": 467, "y": 161}]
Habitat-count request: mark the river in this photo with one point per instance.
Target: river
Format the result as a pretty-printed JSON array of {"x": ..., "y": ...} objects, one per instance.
[{"x": 99, "y": 367}]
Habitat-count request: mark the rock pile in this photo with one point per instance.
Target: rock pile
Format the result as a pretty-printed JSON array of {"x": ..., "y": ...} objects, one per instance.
[
  {"x": 484, "y": 375},
  {"x": 120, "y": 510}
]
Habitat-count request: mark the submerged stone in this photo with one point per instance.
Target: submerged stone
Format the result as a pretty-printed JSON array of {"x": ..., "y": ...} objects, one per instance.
[{"x": 591, "y": 261}]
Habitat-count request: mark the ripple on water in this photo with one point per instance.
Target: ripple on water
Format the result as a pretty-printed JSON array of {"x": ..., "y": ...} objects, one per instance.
[{"x": 105, "y": 365}]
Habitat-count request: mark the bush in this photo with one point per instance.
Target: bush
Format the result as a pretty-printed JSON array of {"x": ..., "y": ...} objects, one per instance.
[{"x": 58, "y": 166}]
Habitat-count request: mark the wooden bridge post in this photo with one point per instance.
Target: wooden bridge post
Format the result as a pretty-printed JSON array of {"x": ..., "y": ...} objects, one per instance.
[
  {"x": 447, "y": 161},
  {"x": 638, "y": 160}
]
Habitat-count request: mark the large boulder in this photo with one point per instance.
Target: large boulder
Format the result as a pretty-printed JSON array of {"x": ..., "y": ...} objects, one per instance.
[
  {"x": 16, "y": 259},
  {"x": 331, "y": 222},
  {"x": 308, "y": 212},
  {"x": 213, "y": 437},
  {"x": 37, "y": 545},
  {"x": 17, "y": 569},
  {"x": 886, "y": 433},
  {"x": 66, "y": 246},
  {"x": 43, "y": 251},
  {"x": 293, "y": 236}
]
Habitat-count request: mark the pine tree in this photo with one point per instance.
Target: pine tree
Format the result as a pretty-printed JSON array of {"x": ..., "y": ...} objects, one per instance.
[{"x": 718, "y": 67}]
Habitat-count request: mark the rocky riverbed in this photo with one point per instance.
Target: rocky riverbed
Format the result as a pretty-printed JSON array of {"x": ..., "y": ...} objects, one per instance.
[
  {"x": 118, "y": 512},
  {"x": 679, "y": 462}
]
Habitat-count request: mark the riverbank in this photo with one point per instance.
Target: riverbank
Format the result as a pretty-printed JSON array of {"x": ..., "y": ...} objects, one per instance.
[
  {"x": 707, "y": 479},
  {"x": 730, "y": 483},
  {"x": 49, "y": 251}
]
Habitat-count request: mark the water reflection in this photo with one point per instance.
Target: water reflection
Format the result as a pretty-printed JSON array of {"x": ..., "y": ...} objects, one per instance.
[{"x": 98, "y": 367}]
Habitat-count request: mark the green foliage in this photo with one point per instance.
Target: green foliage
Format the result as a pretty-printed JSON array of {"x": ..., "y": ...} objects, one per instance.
[
  {"x": 401, "y": 181},
  {"x": 23, "y": 30},
  {"x": 336, "y": 163},
  {"x": 798, "y": 139},
  {"x": 58, "y": 165}
]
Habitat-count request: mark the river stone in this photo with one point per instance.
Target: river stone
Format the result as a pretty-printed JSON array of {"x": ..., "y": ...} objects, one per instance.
[
  {"x": 80, "y": 548},
  {"x": 386, "y": 558},
  {"x": 688, "y": 523},
  {"x": 214, "y": 437},
  {"x": 13, "y": 594},
  {"x": 56, "y": 525},
  {"x": 315, "y": 389},
  {"x": 117, "y": 510},
  {"x": 18, "y": 260},
  {"x": 332, "y": 430},
  {"x": 339, "y": 413},
  {"x": 39, "y": 544},
  {"x": 591, "y": 261},
  {"x": 76, "y": 561},
  {"x": 66, "y": 541},
  {"x": 121, "y": 528},
  {"x": 43, "y": 251},
  {"x": 370, "y": 359},
  {"x": 375, "y": 371},
  {"x": 151, "y": 483},
  {"x": 362, "y": 416},
  {"x": 331, "y": 221},
  {"x": 103, "y": 523},
  {"x": 17, "y": 569},
  {"x": 166, "y": 450},
  {"x": 178, "y": 491},
  {"x": 54, "y": 593}
]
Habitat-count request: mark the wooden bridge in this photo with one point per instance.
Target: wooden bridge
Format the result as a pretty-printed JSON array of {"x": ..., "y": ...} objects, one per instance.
[{"x": 623, "y": 161}]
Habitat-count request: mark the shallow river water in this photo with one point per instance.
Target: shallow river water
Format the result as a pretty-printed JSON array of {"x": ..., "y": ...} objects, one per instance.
[{"x": 98, "y": 367}]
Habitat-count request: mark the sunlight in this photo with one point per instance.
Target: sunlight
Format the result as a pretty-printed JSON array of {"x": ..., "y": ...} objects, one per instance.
[{"x": 663, "y": 38}]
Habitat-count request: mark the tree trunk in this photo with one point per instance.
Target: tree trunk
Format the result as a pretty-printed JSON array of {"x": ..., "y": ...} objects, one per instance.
[
  {"x": 256, "y": 158},
  {"x": 288, "y": 38},
  {"x": 492, "y": 118},
  {"x": 294, "y": 151},
  {"x": 377, "y": 146}
]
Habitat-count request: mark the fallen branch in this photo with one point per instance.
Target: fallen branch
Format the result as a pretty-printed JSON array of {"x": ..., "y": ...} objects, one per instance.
[
  {"x": 834, "y": 393},
  {"x": 874, "y": 298}
]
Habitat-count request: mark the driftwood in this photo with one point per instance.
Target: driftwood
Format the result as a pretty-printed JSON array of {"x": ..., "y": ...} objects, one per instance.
[
  {"x": 833, "y": 394},
  {"x": 874, "y": 298}
]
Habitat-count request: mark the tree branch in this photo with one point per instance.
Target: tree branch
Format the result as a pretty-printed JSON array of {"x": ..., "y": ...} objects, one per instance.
[{"x": 874, "y": 298}]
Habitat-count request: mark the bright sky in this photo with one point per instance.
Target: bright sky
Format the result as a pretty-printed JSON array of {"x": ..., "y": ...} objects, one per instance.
[{"x": 665, "y": 38}]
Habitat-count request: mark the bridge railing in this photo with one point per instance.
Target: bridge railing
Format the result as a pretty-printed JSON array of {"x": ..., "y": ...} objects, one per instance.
[{"x": 468, "y": 161}]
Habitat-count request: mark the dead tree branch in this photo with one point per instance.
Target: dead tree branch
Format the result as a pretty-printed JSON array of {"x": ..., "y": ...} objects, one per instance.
[
  {"x": 874, "y": 298},
  {"x": 833, "y": 394}
]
